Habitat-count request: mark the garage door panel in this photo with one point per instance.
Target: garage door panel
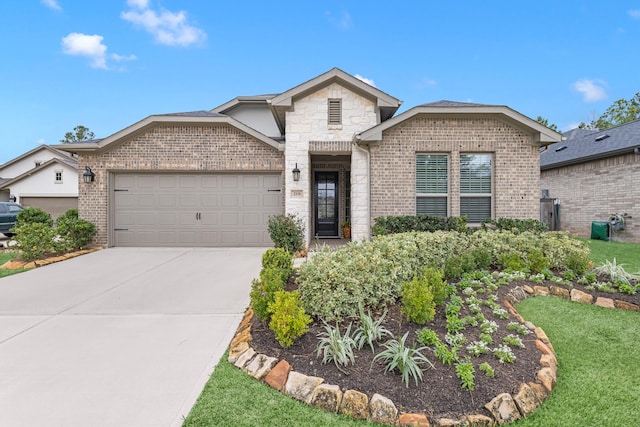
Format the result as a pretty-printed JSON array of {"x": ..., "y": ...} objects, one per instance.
[
  {"x": 55, "y": 206},
  {"x": 195, "y": 209}
]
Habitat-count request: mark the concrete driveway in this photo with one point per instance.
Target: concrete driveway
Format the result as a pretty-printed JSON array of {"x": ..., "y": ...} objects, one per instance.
[{"x": 119, "y": 337}]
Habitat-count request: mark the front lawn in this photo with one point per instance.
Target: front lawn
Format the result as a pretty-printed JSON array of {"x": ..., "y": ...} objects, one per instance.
[
  {"x": 598, "y": 352},
  {"x": 628, "y": 254},
  {"x": 8, "y": 256}
]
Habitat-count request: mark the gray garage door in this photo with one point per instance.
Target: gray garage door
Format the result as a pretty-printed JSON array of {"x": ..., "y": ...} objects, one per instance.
[
  {"x": 56, "y": 206},
  {"x": 195, "y": 209}
]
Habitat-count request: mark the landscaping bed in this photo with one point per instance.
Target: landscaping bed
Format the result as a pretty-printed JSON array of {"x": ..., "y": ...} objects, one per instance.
[
  {"x": 439, "y": 395},
  {"x": 473, "y": 347}
]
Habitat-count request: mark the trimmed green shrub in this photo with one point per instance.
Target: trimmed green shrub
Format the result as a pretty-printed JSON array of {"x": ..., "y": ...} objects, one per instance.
[
  {"x": 74, "y": 232},
  {"x": 418, "y": 304},
  {"x": 516, "y": 225},
  {"x": 333, "y": 284},
  {"x": 401, "y": 224},
  {"x": 287, "y": 232},
  {"x": 288, "y": 318},
  {"x": 33, "y": 215},
  {"x": 35, "y": 240},
  {"x": 263, "y": 291},
  {"x": 280, "y": 259}
]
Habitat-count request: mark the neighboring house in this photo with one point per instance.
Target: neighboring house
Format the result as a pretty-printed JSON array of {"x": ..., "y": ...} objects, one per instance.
[
  {"x": 44, "y": 177},
  {"x": 595, "y": 175},
  {"x": 213, "y": 178}
]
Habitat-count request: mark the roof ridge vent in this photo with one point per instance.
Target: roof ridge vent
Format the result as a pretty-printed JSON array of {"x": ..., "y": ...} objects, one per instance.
[{"x": 601, "y": 137}]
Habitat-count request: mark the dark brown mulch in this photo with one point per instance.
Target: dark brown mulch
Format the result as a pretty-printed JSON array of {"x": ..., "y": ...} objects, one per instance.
[{"x": 439, "y": 394}]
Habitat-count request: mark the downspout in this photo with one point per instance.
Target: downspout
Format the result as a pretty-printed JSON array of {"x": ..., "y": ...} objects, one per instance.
[{"x": 368, "y": 155}]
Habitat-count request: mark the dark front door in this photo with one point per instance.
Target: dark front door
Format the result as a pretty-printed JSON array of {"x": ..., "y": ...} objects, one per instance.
[{"x": 326, "y": 204}]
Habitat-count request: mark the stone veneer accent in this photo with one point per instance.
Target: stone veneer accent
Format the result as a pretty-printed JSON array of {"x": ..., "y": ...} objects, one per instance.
[
  {"x": 504, "y": 408},
  {"x": 205, "y": 148},
  {"x": 592, "y": 191},
  {"x": 515, "y": 167},
  {"x": 306, "y": 122}
]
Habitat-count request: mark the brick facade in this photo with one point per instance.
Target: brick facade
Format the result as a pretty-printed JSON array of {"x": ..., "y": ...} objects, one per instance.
[
  {"x": 203, "y": 148},
  {"x": 592, "y": 191},
  {"x": 515, "y": 164}
]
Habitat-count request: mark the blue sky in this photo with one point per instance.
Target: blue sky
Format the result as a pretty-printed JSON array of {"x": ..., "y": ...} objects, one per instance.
[{"x": 106, "y": 64}]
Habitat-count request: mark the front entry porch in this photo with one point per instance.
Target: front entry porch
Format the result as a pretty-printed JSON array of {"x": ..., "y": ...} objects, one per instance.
[{"x": 331, "y": 195}]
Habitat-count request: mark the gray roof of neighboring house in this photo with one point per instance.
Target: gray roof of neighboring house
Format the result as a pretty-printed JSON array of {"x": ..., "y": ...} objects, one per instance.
[
  {"x": 577, "y": 133},
  {"x": 593, "y": 145}
]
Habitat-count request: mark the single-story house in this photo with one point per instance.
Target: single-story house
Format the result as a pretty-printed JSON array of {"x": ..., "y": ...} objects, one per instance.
[
  {"x": 44, "y": 177},
  {"x": 213, "y": 178},
  {"x": 593, "y": 175}
]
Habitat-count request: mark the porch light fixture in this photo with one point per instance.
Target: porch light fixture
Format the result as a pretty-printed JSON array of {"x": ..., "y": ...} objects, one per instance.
[
  {"x": 296, "y": 173},
  {"x": 13, "y": 198},
  {"x": 88, "y": 175}
]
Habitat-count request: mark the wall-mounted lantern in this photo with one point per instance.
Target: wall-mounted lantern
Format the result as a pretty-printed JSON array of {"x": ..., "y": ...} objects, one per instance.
[
  {"x": 88, "y": 175},
  {"x": 296, "y": 173}
]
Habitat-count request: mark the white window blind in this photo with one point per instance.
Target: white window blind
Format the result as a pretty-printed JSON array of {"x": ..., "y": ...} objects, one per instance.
[
  {"x": 432, "y": 184},
  {"x": 475, "y": 186}
]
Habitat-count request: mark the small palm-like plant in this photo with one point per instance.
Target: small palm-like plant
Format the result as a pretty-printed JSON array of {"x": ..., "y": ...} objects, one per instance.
[
  {"x": 370, "y": 330},
  {"x": 615, "y": 271},
  {"x": 406, "y": 360},
  {"x": 335, "y": 347}
]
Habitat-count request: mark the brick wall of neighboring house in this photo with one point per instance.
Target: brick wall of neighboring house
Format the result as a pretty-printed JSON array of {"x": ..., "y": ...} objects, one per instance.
[
  {"x": 516, "y": 164},
  {"x": 308, "y": 121},
  {"x": 592, "y": 191},
  {"x": 171, "y": 148}
]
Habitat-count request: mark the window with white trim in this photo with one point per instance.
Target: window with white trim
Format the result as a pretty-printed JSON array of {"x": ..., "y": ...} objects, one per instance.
[
  {"x": 432, "y": 184},
  {"x": 335, "y": 111},
  {"x": 476, "y": 189},
  {"x": 58, "y": 175}
]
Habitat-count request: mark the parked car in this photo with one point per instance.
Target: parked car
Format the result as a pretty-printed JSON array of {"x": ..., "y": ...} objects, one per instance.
[{"x": 8, "y": 214}]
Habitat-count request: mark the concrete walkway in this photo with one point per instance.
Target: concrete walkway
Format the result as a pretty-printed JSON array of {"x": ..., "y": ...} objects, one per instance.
[{"x": 119, "y": 337}]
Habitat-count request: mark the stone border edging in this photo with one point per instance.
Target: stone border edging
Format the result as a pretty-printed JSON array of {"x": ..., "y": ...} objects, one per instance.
[
  {"x": 15, "y": 264},
  {"x": 504, "y": 408}
]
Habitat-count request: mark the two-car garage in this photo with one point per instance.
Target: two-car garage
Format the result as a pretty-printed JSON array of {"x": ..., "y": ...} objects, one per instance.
[{"x": 194, "y": 209}]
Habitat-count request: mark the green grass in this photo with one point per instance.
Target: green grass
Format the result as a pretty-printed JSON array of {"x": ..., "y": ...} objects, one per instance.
[
  {"x": 7, "y": 256},
  {"x": 598, "y": 354},
  {"x": 233, "y": 398},
  {"x": 627, "y": 254}
]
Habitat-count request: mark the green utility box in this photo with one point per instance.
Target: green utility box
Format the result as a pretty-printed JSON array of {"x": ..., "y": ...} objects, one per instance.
[{"x": 600, "y": 230}]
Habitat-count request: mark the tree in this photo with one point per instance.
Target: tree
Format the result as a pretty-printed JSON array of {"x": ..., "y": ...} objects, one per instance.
[
  {"x": 79, "y": 134},
  {"x": 545, "y": 122},
  {"x": 620, "y": 112}
]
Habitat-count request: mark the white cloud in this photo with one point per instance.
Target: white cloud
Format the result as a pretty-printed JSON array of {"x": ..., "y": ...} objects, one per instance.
[
  {"x": 366, "y": 80},
  {"x": 91, "y": 47},
  {"x": 342, "y": 20},
  {"x": 591, "y": 90},
  {"x": 167, "y": 27},
  {"x": 634, "y": 13},
  {"x": 79, "y": 44},
  {"x": 52, "y": 4}
]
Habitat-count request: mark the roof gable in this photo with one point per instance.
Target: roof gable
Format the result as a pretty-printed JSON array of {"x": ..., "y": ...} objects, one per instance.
[
  {"x": 43, "y": 147},
  {"x": 194, "y": 117},
  {"x": 541, "y": 134},
  {"x": 386, "y": 103},
  {"x": 66, "y": 163},
  {"x": 594, "y": 145}
]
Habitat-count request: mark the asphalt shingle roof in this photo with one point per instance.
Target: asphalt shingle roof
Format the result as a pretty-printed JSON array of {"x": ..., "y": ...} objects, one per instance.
[{"x": 592, "y": 145}]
